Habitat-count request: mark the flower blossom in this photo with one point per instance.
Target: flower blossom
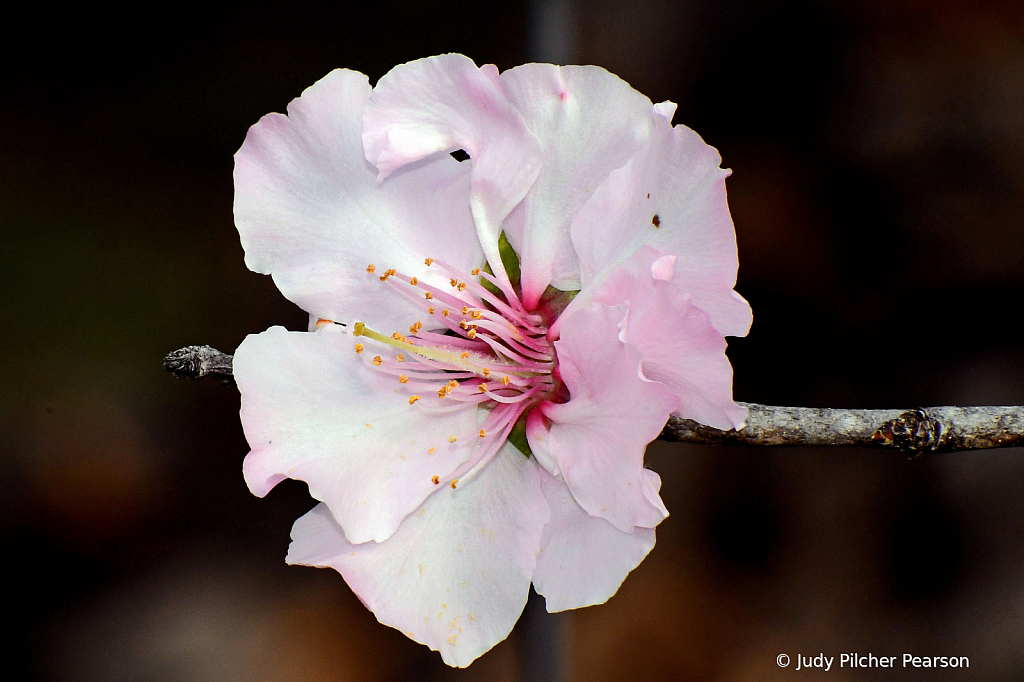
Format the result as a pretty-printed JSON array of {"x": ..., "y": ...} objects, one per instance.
[{"x": 472, "y": 424}]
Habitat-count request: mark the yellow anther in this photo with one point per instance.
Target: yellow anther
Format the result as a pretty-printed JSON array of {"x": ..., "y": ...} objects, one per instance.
[
  {"x": 465, "y": 310},
  {"x": 447, "y": 390},
  {"x": 472, "y": 333},
  {"x": 431, "y": 451},
  {"x": 435, "y": 479},
  {"x": 397, "y": 337},
  {"x": 453, "y": 281},
  {"x": 487, "y": 372},
  {"x": 462, "y": 286},
  {"x": 482, "y": 388},
  {"x": 371, "y": 267},
  {"x": 465, "y": 355},
  {"x": 377, "y": 360},
  {"x": 413, "y": 281},
  {"x": 359, "y": 348},
  {"x": 445, "y": 313},
  {"x": 384, "y": 277},
  {"x": 483, "y": 433},
  {"x": 428, "y": 295},
  {"x": 412, "y": 329},
  {"x": 403, "y": 379},
  {"x": 454, "y": 481},
  {"x": 430, "y": 310},
  {"x": 413, "y": 398},
  {"x": 451, "y": 439},
  {"x": 476, "y": 314},
  {"x": 441, "y": 392},
  {"x": 418, "y": 325},
  {"x": 428, "y": 261},
  {"x": 505, "y": 380},
  {"x": 475, "y": 271},
  {"x": 400, "y": 357},
  {"x": 464, "y": 325},
  {"x": 453, "y": 383}
]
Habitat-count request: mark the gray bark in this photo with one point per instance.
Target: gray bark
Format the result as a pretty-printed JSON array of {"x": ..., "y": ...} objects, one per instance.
[{"x": 930, "y": 429}]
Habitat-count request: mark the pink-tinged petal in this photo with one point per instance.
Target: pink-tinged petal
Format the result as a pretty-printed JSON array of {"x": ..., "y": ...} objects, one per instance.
[
  {"x": 444, "y": 103},
  {"x": 598, "y": 437},
  {"x": 310, "y": 211},
  {"x": 670, "y": 196},
  {"x": 314, "y": 410},
  {"x": 456, "y": 574},
  {"x": 589, "y": 122},
  {"x": 583, "y": 559},
  {"x": 677, "y": 344},
  {"x": 666, "y": 109},
  {"x": 537, "y": 436}
]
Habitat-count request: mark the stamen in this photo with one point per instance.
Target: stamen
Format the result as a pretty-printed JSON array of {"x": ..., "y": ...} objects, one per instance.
[
  {"x": 370, "y": 268},
  {"x": 454, "y": 481},
  {"x": 451, "y": 352},
  {"x": 435, "y": 479},
  {"x": 359, "y": 348}
]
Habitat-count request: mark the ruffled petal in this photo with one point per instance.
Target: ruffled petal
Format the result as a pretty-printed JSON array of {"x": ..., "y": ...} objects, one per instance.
[
  {"x": 598, "y": 437},
  {"x": 310, "y": 211},
  {"x": 589, "y": 122},
  {"x": 313, "y": 410},
  {"x": 677, "y": 344},
  {"x": 443, "y": 103},
  {"x": 670, "y": 196},
  {"x": 456, "y": 575},
  {"x": 583, "y": 559}
]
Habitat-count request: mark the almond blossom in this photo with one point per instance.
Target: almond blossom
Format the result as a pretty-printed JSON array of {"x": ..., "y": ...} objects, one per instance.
[{"x": 472, "y": 424}]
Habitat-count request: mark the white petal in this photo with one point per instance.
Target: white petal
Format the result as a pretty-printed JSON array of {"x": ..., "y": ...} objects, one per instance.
[
  {"x": 314, "y": 410},
  {"x": 456, "y": 575},
  {"x": 590, "y": 122},
  {"x": 444, "y": 103},
  {"x": 583, "y": 558},
  {"x": 310, "y": 211}
]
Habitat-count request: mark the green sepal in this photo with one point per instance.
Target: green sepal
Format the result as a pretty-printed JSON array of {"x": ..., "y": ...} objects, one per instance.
[
  {"x": 517, "y": 436},
  {"x": 510, "y": 259}
]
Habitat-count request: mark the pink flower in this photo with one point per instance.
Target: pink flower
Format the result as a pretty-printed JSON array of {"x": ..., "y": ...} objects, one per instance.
[{"x": 400, "y": 406}]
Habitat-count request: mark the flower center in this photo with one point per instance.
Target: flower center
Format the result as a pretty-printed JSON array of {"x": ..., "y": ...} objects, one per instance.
[{"x": 485, "y": 349}]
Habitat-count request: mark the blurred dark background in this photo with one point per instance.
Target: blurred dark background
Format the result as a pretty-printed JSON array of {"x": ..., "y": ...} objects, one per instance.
[{"x": 878, "y": 195}]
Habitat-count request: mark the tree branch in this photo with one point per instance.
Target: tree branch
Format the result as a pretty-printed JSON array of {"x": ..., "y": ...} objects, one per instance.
[{"x": 931, "y": 429}]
